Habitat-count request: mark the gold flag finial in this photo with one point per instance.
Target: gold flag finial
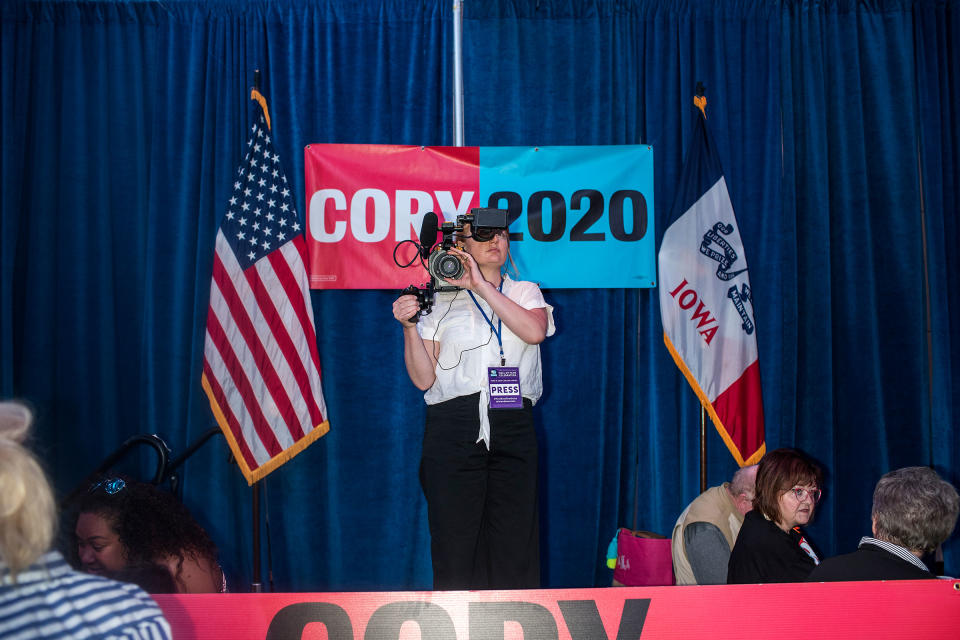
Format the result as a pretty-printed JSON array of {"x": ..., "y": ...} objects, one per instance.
[
  {"x": 261, "y": 100},
  {"x": 700, "y": 99},
  {"x": 256, "y": 95}
]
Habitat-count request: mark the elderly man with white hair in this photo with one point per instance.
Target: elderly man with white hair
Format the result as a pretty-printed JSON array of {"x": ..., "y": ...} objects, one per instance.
[{"x": 706, "y": 530}]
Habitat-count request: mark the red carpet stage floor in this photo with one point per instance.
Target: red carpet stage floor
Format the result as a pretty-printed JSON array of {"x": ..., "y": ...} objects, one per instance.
[{"x": 927, "y": 609}]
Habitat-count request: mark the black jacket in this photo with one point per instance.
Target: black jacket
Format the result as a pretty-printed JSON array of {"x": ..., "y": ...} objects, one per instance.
[
  {"x": 764, "y": 553},
  {"x": 869, "y": 562}
]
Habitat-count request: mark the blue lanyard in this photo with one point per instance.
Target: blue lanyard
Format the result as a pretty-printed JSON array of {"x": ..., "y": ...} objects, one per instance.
[{"x": 497, "y": 330}]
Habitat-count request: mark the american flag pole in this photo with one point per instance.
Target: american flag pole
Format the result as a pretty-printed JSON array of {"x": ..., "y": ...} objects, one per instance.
[
  {"x": 256, "y": 583},
  {"x": 261, "y": 368}
]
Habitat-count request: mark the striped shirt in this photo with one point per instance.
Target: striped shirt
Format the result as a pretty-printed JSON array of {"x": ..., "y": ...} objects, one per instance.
[
  {"x": 901, "y": 552},
  {"x": 51, "y": 600}
]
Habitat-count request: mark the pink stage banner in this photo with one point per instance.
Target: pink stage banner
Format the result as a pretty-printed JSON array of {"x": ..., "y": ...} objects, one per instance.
[
  {"x": 928, "y": 609},
  {"x": 362, "y": 199}
]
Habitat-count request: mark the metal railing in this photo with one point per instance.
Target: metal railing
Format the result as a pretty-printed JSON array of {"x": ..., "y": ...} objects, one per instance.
[{"x": 166, "y": 468}]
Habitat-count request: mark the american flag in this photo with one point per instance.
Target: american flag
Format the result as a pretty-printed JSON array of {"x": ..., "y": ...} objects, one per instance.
[{"x": 261, "y": 369}]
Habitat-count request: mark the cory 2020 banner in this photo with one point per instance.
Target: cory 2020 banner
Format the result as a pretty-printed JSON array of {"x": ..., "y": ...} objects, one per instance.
[{"x": 579, "y": 217}]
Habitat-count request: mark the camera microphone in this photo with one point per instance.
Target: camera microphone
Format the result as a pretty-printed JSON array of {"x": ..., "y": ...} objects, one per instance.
[{"x": 428, "y": 233}]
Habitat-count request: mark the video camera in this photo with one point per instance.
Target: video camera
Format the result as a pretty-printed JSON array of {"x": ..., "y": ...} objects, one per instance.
[{"x": 440, "y": 263}]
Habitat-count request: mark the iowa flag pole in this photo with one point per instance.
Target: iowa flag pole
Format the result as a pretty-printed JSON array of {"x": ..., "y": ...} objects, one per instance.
[
  {"x": 706, "y": 304},
  {"x": 261, "y": 369}
]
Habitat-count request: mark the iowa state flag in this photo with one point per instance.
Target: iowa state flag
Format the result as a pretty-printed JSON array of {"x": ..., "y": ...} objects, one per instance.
[{"x": 706, "y": 303}]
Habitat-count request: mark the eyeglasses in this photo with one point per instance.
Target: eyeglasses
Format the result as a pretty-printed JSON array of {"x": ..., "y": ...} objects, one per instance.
[
  {"x": 111, "y": 486},
  {"x": 487, "y": 234},
  {"x": 801, "y": 493}
]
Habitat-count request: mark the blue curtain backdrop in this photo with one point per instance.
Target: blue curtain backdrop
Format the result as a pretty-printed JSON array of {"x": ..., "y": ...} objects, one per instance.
[{"x": 122, "y": 123}]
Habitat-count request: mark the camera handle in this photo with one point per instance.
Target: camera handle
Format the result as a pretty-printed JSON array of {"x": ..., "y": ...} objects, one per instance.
[{"x": 424, "y": 299}]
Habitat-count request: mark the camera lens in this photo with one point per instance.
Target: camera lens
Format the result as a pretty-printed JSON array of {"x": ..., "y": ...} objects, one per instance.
[
  {"x": 449, "y": 267},
  {"x": 444, "y": 265}
]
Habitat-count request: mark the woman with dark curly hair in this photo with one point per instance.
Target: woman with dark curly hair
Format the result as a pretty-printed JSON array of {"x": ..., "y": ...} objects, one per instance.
[{"x": 122, "y": 523}]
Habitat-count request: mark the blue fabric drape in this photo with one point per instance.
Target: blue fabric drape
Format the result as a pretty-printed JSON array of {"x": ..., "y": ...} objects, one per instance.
[
  {"x": 122, "y": 124},
  {"x": 936, "y": 26},
  {"x": 852, "y": 134}
]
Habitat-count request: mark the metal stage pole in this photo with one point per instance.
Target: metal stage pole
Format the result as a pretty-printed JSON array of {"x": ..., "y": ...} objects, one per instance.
[
  {"x": 458, "y": 73},
  {"x": 703, "y": 449},
  {"x": 257, "y": 585}
]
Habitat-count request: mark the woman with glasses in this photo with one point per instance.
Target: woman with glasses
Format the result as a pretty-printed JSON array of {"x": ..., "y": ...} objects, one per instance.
[
  {"x": 477, "y": 357},
  {"x": 771, "y": 546},
  {"x": 130, "y": 530}
]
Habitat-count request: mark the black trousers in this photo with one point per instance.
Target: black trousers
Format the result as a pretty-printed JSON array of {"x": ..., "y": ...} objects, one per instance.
[{"x": 481, "y": 505}]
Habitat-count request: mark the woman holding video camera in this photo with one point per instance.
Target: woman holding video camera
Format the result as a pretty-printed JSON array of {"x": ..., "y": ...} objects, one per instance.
[{"x": 477, "y": 356}]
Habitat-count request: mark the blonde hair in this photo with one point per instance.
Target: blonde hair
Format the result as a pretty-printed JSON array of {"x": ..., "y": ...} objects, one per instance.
[{"x": 28, "y": 513}]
